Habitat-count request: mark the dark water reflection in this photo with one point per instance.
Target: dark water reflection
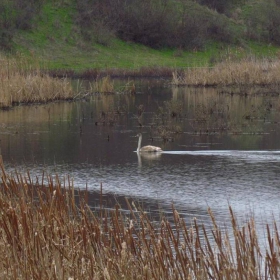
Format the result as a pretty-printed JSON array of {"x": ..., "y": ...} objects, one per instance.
[{"x": 201, "y": 167}]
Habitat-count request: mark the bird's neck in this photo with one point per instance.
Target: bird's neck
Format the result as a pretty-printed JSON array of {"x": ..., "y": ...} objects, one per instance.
[{"x": 139, "y": 143}]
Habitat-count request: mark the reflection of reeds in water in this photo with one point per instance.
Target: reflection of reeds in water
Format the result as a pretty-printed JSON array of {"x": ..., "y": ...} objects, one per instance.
[
  {"x": 166, "y": 120},
  {"x": 110, "y": 109},
  {"x": 246, "y": 72},
  {"x": 21, "y": 81},
  {"x": 106, "y": 85},
  {"x": 209, "y": 112},
  {"x": 49, "y": 233}
]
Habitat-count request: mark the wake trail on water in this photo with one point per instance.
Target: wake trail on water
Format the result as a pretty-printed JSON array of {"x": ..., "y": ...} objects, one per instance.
[
  {"x": 220, "y": 152},
  {"x": 242, "y": 154}
]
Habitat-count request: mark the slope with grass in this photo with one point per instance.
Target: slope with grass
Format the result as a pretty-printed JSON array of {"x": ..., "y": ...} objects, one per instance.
[{"x": 57, "y": 40}]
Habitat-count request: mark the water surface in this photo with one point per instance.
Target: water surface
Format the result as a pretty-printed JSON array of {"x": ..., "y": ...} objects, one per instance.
[{"x": 227, "y": 154}]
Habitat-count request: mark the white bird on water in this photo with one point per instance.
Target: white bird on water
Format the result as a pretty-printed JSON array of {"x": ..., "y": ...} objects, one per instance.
[{"x": 147, "y": 149}]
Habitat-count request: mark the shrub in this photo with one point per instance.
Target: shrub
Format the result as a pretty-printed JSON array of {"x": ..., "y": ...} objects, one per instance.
[
  {"x": 7, "y": 18},
  {"x": 25, "y": 12},
  {"x": 95, "y": 20},
  {"x": 200, "y": 25},
  {"x": 16, "y": 14},
  {"x": 147, "y": 22},
  {"x": 220, "y": 5},
  {"x": 155, "y": 23},
  {"x": 263, "y": 21},
  {"x": 152, "y": 23}
]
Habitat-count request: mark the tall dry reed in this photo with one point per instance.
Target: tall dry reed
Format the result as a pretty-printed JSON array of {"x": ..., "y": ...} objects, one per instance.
[
  {"x": 231, "y": 73},
  {"x": 104, "y": 85},
  {"x": 47, "y": 231},
  {"x": 22, "y": 81}
]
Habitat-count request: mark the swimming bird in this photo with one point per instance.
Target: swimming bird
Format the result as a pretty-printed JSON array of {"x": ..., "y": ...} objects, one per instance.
[{"x": 146, "y": 149}]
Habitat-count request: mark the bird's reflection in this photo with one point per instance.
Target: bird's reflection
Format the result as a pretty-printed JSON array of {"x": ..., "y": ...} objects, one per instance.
[{"x": 147, "y": 157}]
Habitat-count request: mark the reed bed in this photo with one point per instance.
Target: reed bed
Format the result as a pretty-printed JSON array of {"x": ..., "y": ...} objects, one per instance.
[
  {"x": 48, "y": 231},
  {"x": 22, "y": 81},
  {"x": 104, "y": 85},
  {"x": 231, "y": 73}
]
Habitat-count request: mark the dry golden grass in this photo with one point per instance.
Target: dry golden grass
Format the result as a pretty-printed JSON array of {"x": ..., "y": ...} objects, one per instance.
[
  {"x": 231, "y": 73},
  {"x": 48, "y": 232},
  {"x": 21, "y": 81},
  {"x": 104, "y": 85}
]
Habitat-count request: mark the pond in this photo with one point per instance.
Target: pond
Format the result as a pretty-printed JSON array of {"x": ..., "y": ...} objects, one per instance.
[{"x": 226, "y": 150}]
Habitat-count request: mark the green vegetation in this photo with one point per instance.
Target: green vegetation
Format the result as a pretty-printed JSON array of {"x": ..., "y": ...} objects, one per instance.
[
  {"x": 16, "y": 15},
  {"x": 81, "y": 35},
  {"x": 97, "y": 38},
  {"x": 49, "y": 232}
]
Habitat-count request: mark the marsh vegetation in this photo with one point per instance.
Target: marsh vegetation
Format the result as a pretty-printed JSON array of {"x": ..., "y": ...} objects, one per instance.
[
  {"x": 49, "y": 231},
  {"x": 231, "y": 73},
  {"x": 22, "y": 81}
]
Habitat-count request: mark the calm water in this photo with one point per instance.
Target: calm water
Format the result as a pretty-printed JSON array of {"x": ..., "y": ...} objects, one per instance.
[{"x": 227, "y": 154}]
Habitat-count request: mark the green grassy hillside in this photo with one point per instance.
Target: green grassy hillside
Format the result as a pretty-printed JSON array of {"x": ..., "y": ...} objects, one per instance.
[{"x": 59, "y": 43}]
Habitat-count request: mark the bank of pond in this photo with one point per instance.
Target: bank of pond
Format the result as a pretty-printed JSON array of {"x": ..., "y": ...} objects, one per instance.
[
  {"x": 49, "y": 231},
  {"x": 224, "y": 139},
  {"x": 23, "y": 81}
]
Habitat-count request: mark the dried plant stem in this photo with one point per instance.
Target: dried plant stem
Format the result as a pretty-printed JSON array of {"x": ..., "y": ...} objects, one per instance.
[
  {"x": 231, "y": 73},
  {"x": 22, "y": 81},
  {"x": 48, "y": 231}
]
